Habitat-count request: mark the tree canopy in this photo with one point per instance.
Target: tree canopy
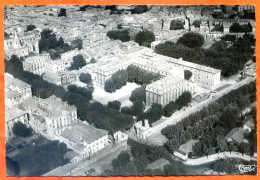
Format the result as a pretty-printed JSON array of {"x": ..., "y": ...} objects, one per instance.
[
  {"x": 187, "y": 74},
  {"x": 145, "y": 38},
  {"x": 21, "y": 130},
  {"x": 62, "y": 12},
  {"x": 176, "y": 24},
  {"x": 85, "y": 77},
  {"x": 119, "y": 35},
  {"x": 30, "y": 27},
  {"x": 191, "y": 40},
  {"x": 78, "y": 62}
]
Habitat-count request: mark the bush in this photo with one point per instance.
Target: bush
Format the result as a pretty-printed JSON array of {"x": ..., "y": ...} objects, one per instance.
[
  {"x": 145, "y": 38},
  {"x": 191, "y": 40},
  {"x": 21, "y": 130}
]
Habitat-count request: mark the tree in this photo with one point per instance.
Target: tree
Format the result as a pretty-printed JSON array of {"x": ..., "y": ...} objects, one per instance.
[
  {"x": 138, "y": 95},
  {"x": 169, "y": 109},
  {"x": 86, "y": 78},
  {"x": 30, "y": 27},
  {"x": 230, "y": 116},
  {"x": 93, "y": 60},
  {"x": 187, "y": 74},
  {"x": 119, "y": 35},
  {"x": 145, "y": 38},
  {"x": 137, "y": 108},
  {"x": 184, "y": 99},
  {"x": 176, "y": 24},
  {"x": 21, "y": 130},
  {"x": 62, "y": 12},
  {"x": 196, "y": 23},
  {"x": 114, "y": 105},
  {"x": 78, "y": 62},
  {"x": 116, "y": 81},
  {"x": 12, "y": 165},
  {"x": 139, "y": 9},
  {"x": 191, "y": 40}
]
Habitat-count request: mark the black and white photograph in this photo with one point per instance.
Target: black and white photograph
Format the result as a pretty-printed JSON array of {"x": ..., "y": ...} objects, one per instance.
[{"x": 130, "y": 90}]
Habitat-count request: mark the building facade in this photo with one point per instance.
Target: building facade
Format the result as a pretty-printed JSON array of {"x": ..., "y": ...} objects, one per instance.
[
  {"x": 51, "y": 114},
  {"x": 16, "y": 91}
]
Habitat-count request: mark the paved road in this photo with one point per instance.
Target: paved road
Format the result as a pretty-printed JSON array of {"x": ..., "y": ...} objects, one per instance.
[{"x": 214, "y": 157}]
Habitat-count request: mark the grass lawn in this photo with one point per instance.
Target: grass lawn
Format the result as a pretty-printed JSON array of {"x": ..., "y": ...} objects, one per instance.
[{"x": 121, "y": 95}]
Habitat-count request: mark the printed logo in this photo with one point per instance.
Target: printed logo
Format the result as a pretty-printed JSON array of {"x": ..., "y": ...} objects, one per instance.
[{"x": 246, "y": 168}]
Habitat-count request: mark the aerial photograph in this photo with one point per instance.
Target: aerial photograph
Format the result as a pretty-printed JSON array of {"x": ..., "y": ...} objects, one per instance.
[{"x": 130, "y": 90}]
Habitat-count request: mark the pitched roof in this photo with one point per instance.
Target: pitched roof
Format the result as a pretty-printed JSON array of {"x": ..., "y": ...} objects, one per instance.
[{"x": 236, "y": 134}]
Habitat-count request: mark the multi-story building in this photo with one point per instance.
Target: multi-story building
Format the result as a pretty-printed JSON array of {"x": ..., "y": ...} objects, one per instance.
[
  {"x": 55, "y": 114},
  {"x": 167, "y": 89},
  {"x": 36, "y": 64},
  {"x": 41, "y": 64},
  {"x": 172, "y": 85},
  {"x": 21, "y": 43},
  {"x": 16, "y": 91},
  {"x": 84, "y": 139}
]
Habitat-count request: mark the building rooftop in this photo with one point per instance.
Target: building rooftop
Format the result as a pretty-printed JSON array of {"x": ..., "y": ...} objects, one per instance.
[
  {"x": 14, "y": 83},
  {"x": 187, "y": 147},
  {"x": 81, "y": 131},
  {"x": 236, "y": 134},
  {"x": 12, "y": 113},
  {"x": 165, "y": 82}
]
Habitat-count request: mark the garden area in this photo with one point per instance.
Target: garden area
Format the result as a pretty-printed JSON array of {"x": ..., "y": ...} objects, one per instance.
[{"x": 34, "y": 156}]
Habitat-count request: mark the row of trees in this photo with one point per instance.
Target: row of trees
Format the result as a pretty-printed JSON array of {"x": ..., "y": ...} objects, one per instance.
[
  {"x": 138, "y": 97},
  {"x": 212, "y": 123},
  {"x": 87, "y": 93},
  {"x": 95, "y": 113},
  {"x": 117, "y": 80},
  {"x": 228, "y": 59},
  {"x": 236, "y": 27},
  {"x": 131, "y": 74}
]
